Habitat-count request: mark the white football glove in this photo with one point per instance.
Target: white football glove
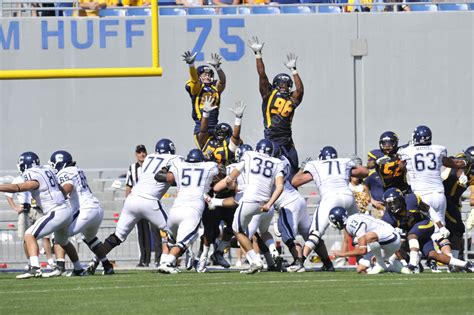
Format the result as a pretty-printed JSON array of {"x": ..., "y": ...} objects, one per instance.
[
  {"x": 239, "y": 109},
  {"x": 291, "y": 61},
  {"x": 436, "y": 236},
  {"x": 256, "y": 46},
  {"x": 216, "y": 61},
  {"x": 189, "y": 57},
  {"x": 383, "y": 160},
  {"x": 400, "y": 231},
  {"x": 462, "y": 180},
  {"x": 444, "y": 232},
  {"x": 208, "y": 104}
]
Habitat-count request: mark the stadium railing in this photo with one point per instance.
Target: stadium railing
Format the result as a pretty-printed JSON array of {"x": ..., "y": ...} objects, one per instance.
[{"x": 66, "y": 7}]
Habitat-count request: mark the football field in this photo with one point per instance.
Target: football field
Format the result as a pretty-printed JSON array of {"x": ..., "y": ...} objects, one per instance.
[{"x": 234, "y": 293}]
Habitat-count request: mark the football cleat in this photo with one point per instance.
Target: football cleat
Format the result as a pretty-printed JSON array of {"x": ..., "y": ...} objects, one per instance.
[
  {"x": 405, "y": 271},
  {"x": 77, "y": 273},
  {"x": 33, "y": 272},
  {"x": 433, "y": 266},
  {"x": 167, "y": 268},
  {"x": 201, "y": 266},
  {"x": 108, "y": 271},
  {"x": 376, "y": 270},
  {"x": 91, "y": 267},
  {"x": 414, "y": 269},
  {"x": 57, "y": 272},
  {"x": 189, "y": 259},
  {"x": 328, "y": 267},
  {"x": 252, "y": 269},
  {"x": 297, "y": 266},
  {"x": 469, "y": 267},
  {"x": 218, "y": 259}
]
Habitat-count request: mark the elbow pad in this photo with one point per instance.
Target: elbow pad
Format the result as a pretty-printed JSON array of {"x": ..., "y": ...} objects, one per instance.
[{"x": 161, "y": 176}]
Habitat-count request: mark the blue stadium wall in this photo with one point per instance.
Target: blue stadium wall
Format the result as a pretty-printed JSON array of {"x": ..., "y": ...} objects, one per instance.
[{"x": 363, "y": 74}]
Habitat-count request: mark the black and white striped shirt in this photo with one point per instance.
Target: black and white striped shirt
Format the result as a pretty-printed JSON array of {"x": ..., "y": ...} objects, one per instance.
[{"x": 133, "y": 173}]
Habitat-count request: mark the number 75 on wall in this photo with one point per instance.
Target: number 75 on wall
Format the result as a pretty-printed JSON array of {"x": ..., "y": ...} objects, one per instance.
[{"x": 235, "y": 45}]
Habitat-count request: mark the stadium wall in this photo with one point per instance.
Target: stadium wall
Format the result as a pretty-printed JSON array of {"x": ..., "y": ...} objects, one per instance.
[{"x": 363, "y": 74}]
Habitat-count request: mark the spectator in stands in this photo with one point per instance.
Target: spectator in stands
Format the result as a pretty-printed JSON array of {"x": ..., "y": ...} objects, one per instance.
[
  {"x": 226, "y": 2},
  {"x": 28, "y": 213},
  {"x": 191, "y": 3},
  {"x": 135, "y": 3},
  {"x": 253, "y": 2},
  {"x": 143, "y": 226},
  {"x": 90, "y": 8}
]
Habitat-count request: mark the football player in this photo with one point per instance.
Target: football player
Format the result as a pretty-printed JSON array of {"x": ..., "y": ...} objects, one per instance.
[
  {"x": 86, "y": 208},
  {"x": 411, "y": 215},
  {"x": 386, "y": 162},
  {"x": 144, "y": 200},
  {"x": 219, "y": 147},
  {"x": 455, "y": 183},
  {"x": 202, "y": 84},
  {"x": 423, "y": 161},
  {"x": 279, "y": 103},
  {"x": 193, "y": 178},
  {"x": 44, "y": 187},
  {"x": 371, "y": 234},
  {"x": 331, "y": 175},
  {"x": 264, "y": 181}
]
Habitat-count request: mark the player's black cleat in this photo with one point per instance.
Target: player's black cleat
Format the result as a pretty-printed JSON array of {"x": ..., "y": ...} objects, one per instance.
[{"x": 329, "y": 267}]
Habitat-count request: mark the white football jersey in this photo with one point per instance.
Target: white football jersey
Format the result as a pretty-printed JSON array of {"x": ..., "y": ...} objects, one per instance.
[
  {"x": 331, "y": 175},
  {"x": 193, "y": 180},
  {"x": 48, "y": 195},
  {"x": 240, "y": 179},
  {"x": 147, "y": 186},
  {"x": 81, "y": 196},
  {"x": 359, "y": 224},
  {"x": 259, "y": 172},
  {"x": 424, "y": 164},
  {"x": 289, "y": 193},
  {"x": 21, "y": 197}
]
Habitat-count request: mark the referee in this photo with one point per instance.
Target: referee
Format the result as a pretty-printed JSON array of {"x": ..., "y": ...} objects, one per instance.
[{"x": 143, "y": 226}]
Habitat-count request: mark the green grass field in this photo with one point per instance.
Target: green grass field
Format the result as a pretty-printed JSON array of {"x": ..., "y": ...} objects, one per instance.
[{"x": 234, "y": 293}]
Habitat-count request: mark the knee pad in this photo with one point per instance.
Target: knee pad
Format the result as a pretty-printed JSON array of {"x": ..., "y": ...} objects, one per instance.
[
  {"x": 290, "y": 243},
  {"x": 113, "y": 240},
  {"x": 443, "y": 242},
  {"x": 314, "y": 239},
  {"x": 413, "y": 243}
]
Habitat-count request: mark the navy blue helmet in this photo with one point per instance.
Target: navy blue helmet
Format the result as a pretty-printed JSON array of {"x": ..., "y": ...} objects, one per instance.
[
  {"x": 241, "y": 150},
  {"x": 338, "y": 217},
  {"x": 205, "y": 69},
  {"x": 327, "y": 153},
  {"x": 421, "y": 135},
  {"x": 222, "y": 131},
  {"x": 195, "y": 156},
  {"x": 283, "y": 83},
  {"x": 61, "y": 159},
  {"x": 470, "y": 151},
  {"x": 27, "y": 160},
  {"x": 388, "y": 141},
  {"x": 165, "y": 146},
  {"x": 265, "y": 146},
  {"x": 393, "y": 200}
]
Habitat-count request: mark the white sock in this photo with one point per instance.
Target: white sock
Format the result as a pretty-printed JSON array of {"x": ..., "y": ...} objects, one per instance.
[
  {"x": 205, "y": 252},
  {"x": 377, "y": 251},
  {"x": 392, "y": 259},
  {"x": 50, "y": 261},
  {"x": 253, "y": 257},
  {"x": 217, "y": 202},
  {"x": 163, "y": 258},
  {"x": 414, "y": 258},
  {"x": 77, "y": 265},
  {"x": 272, "y": 247},
  {"x": 34, "y": 261},
  {"x": 457, "y": 262}
]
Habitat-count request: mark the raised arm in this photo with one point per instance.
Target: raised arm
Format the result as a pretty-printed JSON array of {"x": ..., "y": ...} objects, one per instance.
[
  {"x": 454, "y": 163},
  {"x": 297, "y": 94},
  {"x": 238, "y": 111},
  {"x": 194, "y": 79},
  {"x": 301, "y": 178},
  {"x": 216, "y": 62},
  {"x": 208, "y": 107},
  {"x": 264, "y": 84},
  {"x": 14, "y": 188}
]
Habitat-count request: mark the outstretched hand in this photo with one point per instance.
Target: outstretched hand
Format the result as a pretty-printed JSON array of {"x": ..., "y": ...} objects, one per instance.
[
  {"x": 257, "y": 47},
  {"x": 239, "y": 109},
  {"x": 189, "y": 57},
  {"x": 208, "y": 104},
  {"x": 216, "y": 60}
]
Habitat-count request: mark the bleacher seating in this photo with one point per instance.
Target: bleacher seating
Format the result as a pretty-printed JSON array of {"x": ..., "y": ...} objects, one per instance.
[
  {"x": 111, "y": 12},
  {"x": 424, "y": 7},
  {"x": 201, "y": 11},
  {"x": 265, "y": 10},
  {"x": 296, "y": 9},
  {"x": 138, "y": 12},
  {"x": 172, "y": 11},
  {"x": 235, "y": 10},
  {"x": 452, "y": 7},
  {"x": 327, "y": 9}
]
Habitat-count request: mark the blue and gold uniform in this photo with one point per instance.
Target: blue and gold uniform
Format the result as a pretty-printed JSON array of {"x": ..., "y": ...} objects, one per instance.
[
  {"x": 375, "y": 185},
  {"x": 391, "y": 174},
  {"x": 413, "y": 220},
  {"x": 197, "y": 91},
  {"x": 218, "y": 151},
  {"x": 453, "y": 192}
]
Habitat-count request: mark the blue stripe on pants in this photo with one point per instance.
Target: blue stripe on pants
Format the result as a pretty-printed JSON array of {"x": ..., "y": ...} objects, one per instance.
[{"x": 43, "y": 224}]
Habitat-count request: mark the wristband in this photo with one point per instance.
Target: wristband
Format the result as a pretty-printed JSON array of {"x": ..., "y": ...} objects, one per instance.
[
  {"x": 238, "y": 121},
  {"x": 258, "y": 55},
  {"x": 218, "y": 68},
  {"x": 205, "y": 114},
  {"x": 17, "y": 188},
  {"x": 294, "y": 71},
  {"x": 191, "y": 65}
]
